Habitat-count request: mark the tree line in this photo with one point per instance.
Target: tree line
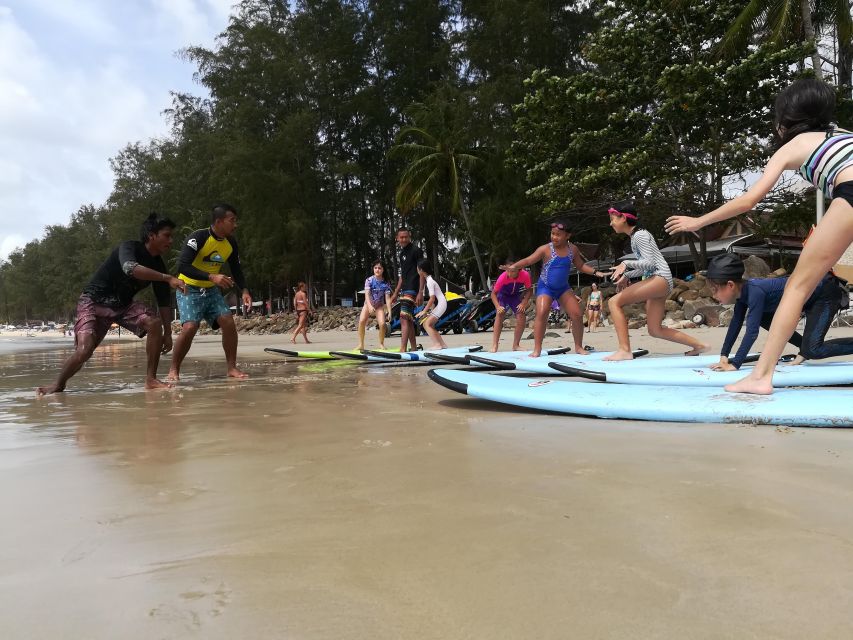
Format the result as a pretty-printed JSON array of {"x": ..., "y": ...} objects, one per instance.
[{"x": 329, "y": 123}]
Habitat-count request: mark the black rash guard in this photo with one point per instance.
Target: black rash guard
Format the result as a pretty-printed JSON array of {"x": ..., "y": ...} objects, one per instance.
[{"x": 114, "y": 287}]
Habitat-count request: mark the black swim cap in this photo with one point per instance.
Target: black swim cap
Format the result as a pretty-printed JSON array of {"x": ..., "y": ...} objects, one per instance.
[{"x": 725, "y": 267}]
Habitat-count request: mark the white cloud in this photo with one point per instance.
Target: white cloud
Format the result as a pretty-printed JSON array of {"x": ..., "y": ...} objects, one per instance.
[{"x": 79, "y": 81}]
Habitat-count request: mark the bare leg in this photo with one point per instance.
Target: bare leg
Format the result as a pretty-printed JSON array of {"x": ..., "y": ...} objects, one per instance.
[
  {"x": 298, "y": 329},
  {"x": 570, "y": 305},
  {"x": 828, "y": 242},
  {"x": 652, "y": 288},
  {"x": 380, "y": 323},
  {"x": 497, "y": 328},
  {"x": 229, "y": 345},
  {"x": 543, "y": 308},
  {"x": 655, "y": 311},
  {"x": 86, "y": 345},
  {"x": 362, "y": 326},
  {"x": 406, "y": 327},
  {"x": 153, "y": 348},
  {"x": 520, "y": 326},
  {"x": 182, "y": 346},
  {"x": 437, "y": 341}
]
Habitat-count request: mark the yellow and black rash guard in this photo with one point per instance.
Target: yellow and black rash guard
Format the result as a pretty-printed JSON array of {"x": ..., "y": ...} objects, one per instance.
[{"x": 203, "y": 254}]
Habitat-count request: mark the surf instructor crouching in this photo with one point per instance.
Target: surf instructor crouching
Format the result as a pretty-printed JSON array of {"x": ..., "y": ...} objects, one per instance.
[{"x": 108, "y": 298}]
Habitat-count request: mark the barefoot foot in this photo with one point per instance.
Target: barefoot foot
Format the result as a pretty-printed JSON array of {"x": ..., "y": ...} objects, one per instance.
[
  {"x": 154, "y": 383},
  {"x": 702, "y": 348},
  {"x": 758, "y": 386},
  {"x": 46, "y": 391},
  {"x": 234, "y": 372},
  {"x": 619, "y": 355},
  {"x": 173, "y": 376}
]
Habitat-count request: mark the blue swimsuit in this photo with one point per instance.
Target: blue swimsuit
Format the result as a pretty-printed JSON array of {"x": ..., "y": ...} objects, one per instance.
[{"x": 554, "y": 279}]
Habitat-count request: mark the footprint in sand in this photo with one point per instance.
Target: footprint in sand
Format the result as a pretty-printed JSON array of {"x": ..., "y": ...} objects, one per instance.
[{"x": 195, "y": 606}]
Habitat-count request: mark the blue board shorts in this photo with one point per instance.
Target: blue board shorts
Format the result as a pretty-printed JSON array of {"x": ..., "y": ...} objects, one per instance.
[{"x": 200, "y": 303}]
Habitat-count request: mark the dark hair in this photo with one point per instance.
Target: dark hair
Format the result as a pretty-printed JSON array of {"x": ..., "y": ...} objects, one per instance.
[
  {"x": 300, "y": 285},
  {"x": 806, "y": 105},
  {"x": 726, "y": 267},
  {"x": 627, "y": 206},
  {"x": 379, "y": 262},
  {"x": 154, "y": 224},
  {"x": 221, "y": 210},
  {"x": 406, "y": 229},
  {"x": 425, "y": 266}
]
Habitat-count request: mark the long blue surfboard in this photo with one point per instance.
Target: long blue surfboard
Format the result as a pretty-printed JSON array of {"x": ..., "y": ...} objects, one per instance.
[
  {"x": 788, "y": 407},
  {"x": 824, "y": 374},
  {"x": 421, "y": 356},
  {"x": 540, "y": 365},
  {"x": 597, "y": 367},
  {"x": 444, "y": 356}
]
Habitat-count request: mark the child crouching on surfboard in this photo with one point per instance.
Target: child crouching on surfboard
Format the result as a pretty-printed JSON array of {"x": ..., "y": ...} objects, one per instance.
[
  {"x": 377, "y": 301},
  {"x": 557, "y": 258},
  {"x": 435, "y": 306},
  {"x": 653, "y": 289},
  {"x": 756, "y": 301}
]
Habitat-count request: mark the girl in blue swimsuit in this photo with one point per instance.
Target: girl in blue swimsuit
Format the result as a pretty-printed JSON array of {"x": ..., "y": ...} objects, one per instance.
[
  {"x": 557, "y": 258},
  {"x": 823, "y": 155}
]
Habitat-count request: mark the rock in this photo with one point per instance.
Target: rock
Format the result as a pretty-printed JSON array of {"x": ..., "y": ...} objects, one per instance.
[
  {"x": 637, "y": 323},
  {"x": 755, "y": 267},
  {"x": 690, "y": 307},
  {"x": 676, "y": 292},
  {"x": 705, "y": 292},
  {"x": 688, "y": 295},
  {"x": 710, "y": 315},
  {"x": 696, "y": 284},
  {"x": 779, "y": 273},
  {"x": 726, "y": 316},
  {"x": 678, "y": 283},
  {"x": 676, "y": 315},
  {"x": 671, "y": 305}
]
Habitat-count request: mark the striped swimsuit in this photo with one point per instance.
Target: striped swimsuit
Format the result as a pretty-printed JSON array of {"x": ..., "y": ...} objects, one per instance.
[
  {"x": 833, "y": 155},
  {"x": 649, "y": 260}
]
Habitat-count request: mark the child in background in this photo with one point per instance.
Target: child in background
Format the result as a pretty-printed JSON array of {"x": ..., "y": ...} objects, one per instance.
[
  {"x": 435, "y": 306},
  {"x": 756, "y": 301},
  {"x": 823, "y": 155},
  {"x": 654, "y": 288},
  {"x": 377, "y": 300},
  {"x": 593, "y": 308},
  {"x": 511, "y": 294},
  {"x": 557, "y": 258}
]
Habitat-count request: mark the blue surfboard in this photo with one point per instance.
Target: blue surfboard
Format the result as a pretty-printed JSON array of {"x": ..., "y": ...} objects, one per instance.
[
  {"x": 421, "y": 356},
  {"x": 444, "y": 356},
  {"x": 527, "y": 364},
  {"x": 824, "y": 374},
  {"x": 596, "y": 368},
  {"x": 788, "y": 407}
]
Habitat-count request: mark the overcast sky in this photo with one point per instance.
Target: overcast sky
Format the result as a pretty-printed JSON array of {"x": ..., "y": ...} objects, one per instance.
[{"x": 80, "y": 79}]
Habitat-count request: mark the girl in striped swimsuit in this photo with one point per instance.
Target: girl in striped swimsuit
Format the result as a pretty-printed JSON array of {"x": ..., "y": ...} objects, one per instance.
[
  {"x": 654, "y": 288},
  {"x": 823, "y": 155}
]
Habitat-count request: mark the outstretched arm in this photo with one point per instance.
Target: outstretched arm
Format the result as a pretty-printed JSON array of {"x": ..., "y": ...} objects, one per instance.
[
  {"x": 540, "y": 254},
  {"x": 580, "y": 264},
  {"x": 781, "y": 160}
]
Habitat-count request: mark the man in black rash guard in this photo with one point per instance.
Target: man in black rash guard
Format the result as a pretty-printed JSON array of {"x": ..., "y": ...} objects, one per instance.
[
  {"x": 203, "y": 255},
  {"x": 108, "y": 298}
]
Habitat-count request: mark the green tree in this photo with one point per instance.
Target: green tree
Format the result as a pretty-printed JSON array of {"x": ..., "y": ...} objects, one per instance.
[
  {"x": 436, "y": 163},
  {"x": 659, "y": 117}
]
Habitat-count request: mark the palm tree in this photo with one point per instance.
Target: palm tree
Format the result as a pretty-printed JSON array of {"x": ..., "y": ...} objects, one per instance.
[
  {"x": 783, "y": 22},
  {"x": 435, "y": 165}
]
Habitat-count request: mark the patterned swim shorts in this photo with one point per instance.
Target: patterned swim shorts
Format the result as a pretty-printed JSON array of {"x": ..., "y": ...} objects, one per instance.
[{"x": 97, "y": 318}]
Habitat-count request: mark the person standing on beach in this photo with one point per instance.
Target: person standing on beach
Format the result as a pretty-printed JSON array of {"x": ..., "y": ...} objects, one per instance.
[
  {"x": 410, "y": 287},
  {"x": 201, "y": 260},
  {"x": 108, "y": 298}
]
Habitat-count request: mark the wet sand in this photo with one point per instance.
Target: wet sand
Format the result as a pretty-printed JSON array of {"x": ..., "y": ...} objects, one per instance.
[{"x": 328, "y": 500}]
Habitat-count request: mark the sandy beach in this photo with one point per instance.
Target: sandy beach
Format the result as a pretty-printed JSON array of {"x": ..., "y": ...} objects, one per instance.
[{"x": 328, "y": 500}]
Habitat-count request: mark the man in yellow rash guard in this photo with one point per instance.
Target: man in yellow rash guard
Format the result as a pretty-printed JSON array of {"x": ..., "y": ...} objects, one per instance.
[{"x": 201, "y": 260}]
